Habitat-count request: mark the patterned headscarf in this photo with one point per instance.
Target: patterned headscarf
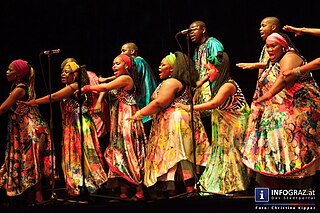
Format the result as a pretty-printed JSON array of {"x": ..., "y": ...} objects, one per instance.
[
  {"x": 214, "y": 60},
  {"x": 277, "y": 38},
  {"x": 126, "y": 60},
  {"x": 171, "y": 58},
  {"x": 21, "y": 67}
]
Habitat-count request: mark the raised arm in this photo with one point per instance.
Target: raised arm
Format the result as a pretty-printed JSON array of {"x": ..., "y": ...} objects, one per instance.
[
  {"x": 57, "y": 96},
  {"x": 123, "y": 81},
  {"x": 298, "y": 31}
]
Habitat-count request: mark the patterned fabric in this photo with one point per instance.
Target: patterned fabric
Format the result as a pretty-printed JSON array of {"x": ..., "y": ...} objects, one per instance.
[
  {"x": 100, "y": 120},
  {"x": 225, "y": 172},
  {"x": 148, "y": 84},
  {"x": 283, "y": 136},
  {"x": 72, "y": 149},
  {"x": 28, "y": 151},
  {"x": 264, "y": 56},
  {"x": 171, "y": 141},
  {"x": 210, "y": 47},
  {"x": 126, "y": 151}
]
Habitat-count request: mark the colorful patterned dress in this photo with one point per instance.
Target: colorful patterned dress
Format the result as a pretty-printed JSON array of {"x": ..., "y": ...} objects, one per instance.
[
  {"x": 101, "y": 120},
  {"x": 28, "y": 153},
  {"x": 126, "y": 151},
  {"x": 225, "y": 173},
  {"x": 282, "y": 136},
  {"x": 72, "y": 150},
  {"x": 171, "y": 141}
]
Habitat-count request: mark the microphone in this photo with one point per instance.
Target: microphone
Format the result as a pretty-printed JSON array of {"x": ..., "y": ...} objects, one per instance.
[
  {"x": 183, "y": 32},
  {"x": 47, "y": 52},
  {"x": 187, "y": 31}
]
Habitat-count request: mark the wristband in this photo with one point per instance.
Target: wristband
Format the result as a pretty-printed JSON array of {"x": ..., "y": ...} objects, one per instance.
[
  {"x": 86, "y": 88},
  {"x": 297, "y": 71}
]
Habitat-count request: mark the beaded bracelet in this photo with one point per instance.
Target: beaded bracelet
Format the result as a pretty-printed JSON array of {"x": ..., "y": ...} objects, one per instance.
[
  {"x": 297, "y": 71},
  {"x": 86, "y": 88}
]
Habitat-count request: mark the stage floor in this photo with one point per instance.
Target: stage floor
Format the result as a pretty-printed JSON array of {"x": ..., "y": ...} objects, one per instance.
[
  {"x": 175, "y": 205},
  {"x": 105, "y": 201}
]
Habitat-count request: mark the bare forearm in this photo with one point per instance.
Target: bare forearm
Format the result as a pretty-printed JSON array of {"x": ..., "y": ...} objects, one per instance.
[
  {"x": 152, "y": 108},
  {"x": 311, "y": 31},
  {"x": 312, "y": 65}
]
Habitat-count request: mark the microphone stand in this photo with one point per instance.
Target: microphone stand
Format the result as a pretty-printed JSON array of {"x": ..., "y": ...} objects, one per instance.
[
  {"x": 84, "y": 191},
  {"x": 53, "y": 196},
  {"x": 191, "y": 111},
  {"x": 197, "y": 184}
]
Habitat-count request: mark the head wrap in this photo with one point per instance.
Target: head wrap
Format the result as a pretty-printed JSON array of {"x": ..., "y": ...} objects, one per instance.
[
  {"x": 67, "y": 60},
  {"x": 73, "y": 65},
  {"x": 277, "y": 38},
  {"x": 214, "y": 60},
  {"x": 126, "y": 60},
  {"x": 21, "y": 67},
  {"x": 171, "y": 58}
]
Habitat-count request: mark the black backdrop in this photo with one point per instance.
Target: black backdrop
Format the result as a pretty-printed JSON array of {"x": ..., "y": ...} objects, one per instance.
[{"x": 92, "y": 31}]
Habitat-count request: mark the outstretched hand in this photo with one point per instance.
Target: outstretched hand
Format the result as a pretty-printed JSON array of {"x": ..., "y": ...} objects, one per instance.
[
  {"x": 85, "y": 88},
  {"x": 286, "y": 73},
  {"x": 297, "y": 31},
  {"x": 182, "y": 106},
  {"x": 246, "y": 66},
  {"x": 136, "y": 117},
  {"x": 29, "y": 103}
]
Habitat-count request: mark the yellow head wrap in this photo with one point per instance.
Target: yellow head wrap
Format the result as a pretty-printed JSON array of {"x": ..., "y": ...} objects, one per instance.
[
  {"x": 171, "y": 58},
  {"x": 73, "y": 65}
]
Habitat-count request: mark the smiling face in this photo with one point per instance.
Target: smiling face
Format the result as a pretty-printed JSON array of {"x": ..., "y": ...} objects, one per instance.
[
  {"x": 67, "y": 75},
  {"x": 165, "y": 69},
  {"x": 119, "y": 67}
]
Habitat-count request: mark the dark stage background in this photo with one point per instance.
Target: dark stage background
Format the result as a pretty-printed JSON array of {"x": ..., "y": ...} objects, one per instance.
[{"x": 93, "y": 32}]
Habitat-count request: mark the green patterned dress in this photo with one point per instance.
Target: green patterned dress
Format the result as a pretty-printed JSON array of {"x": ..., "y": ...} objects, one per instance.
[{"x": 225, "y": 172}]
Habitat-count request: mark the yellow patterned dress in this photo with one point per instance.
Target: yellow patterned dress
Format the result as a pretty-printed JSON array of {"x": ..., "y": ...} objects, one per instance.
[{"x": 170, "y": 140}]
